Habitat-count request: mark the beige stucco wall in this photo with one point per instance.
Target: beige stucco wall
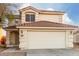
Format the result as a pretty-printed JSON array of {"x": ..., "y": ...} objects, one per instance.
[
  {"x": 24, "y": 40},
  {"x": 53, "y": 18},
  {"x": 40, "y": 17}
]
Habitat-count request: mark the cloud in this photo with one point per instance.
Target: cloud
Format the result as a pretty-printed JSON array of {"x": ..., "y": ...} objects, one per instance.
[
  {"x": 51, "y": 9},
  {"x": 20, "y": 6},
  {"x": 66, "y": 19},
  {"x": 25, "y": 5}
]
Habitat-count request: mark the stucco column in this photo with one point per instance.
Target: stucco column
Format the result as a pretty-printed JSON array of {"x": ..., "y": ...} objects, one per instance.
[
  {"x": 23, "y": 39},
  {"x": 69, "y": 39},
  {"x": 7, "y": 38}
]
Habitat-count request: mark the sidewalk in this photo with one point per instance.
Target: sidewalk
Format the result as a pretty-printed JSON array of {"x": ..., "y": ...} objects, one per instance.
[
  {"x": 13, "y": 52},
  {"x": 2, "y": 49}
]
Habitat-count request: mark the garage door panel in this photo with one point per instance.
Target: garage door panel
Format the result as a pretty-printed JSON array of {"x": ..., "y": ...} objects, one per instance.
[{"x": 42, "y": 40}]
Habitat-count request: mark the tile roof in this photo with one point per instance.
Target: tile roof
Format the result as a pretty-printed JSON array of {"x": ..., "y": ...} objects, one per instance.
[
  {"x": 42, "y": 24},
  {"x": 46, "y": 24},
  {"x": 51, "y": 11}
]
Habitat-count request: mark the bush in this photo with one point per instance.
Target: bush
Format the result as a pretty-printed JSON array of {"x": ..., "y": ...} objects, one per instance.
[{"x": 3, "y": 42}]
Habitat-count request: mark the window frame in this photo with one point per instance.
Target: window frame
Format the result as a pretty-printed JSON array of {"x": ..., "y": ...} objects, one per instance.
[{"x": 30, "y": 15}]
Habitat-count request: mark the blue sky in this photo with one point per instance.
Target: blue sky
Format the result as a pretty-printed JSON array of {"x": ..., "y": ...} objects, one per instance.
[{"x": 72, "y": 9}]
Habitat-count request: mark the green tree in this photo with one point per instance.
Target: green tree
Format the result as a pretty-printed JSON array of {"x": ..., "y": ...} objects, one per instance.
[{"x": 6, "y": 10}]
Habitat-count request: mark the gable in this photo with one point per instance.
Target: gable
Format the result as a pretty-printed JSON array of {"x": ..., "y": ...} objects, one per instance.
[{"x": 29, "y": 8}]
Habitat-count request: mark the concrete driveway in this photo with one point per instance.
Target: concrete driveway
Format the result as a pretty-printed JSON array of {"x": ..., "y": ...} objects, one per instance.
[
  {"x": 53, "y": 52},
  {"x": 41, "y": 52}
]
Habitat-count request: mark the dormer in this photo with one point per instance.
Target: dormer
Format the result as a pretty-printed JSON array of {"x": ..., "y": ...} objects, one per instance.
[
  {"x": 28, "y": 14},
  {"x": 31, "y": 14}
]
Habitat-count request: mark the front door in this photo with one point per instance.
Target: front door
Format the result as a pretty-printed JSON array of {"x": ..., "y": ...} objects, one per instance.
[{"x": 14, "y": 39}]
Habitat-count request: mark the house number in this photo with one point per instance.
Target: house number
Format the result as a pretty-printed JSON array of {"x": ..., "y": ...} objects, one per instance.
[{"x": 21, "y": 33}]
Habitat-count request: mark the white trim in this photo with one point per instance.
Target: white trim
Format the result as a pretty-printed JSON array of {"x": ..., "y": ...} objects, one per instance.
[
  {"x": 47, "y": 28},
  {"x": 11, "y": 29}
]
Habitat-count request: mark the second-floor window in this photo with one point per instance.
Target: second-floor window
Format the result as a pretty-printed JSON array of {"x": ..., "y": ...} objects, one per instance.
[{"x": 30, "y": 17}]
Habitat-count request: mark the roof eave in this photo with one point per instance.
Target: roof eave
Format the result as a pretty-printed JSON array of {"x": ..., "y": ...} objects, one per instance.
[
  {"x": 40, "y": 11},
  {"x": 63, "y": 28},
  {"x": 29, "y": 7}
]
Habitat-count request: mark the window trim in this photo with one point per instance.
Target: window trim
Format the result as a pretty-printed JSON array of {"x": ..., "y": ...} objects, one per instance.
[{"x": 31, "y": 14}]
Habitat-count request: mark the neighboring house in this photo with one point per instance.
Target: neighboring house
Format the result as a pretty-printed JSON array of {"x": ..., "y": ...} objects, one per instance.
[
  {"x": 40, "y": 29},
  {"x": 76, "y": 38}
]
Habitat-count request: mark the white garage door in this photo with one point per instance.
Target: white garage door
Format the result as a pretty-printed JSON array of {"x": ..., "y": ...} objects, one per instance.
[{"x": 46, "y": 40}]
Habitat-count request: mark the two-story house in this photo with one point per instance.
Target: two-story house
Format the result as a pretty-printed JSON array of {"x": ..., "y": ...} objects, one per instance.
[{"x": 40, "y": 29}]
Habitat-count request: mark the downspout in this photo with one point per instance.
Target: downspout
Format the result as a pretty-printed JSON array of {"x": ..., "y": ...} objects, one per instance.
[
  {"x": 65, "y": 33},
  {"x": 65, "y": 37}
]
